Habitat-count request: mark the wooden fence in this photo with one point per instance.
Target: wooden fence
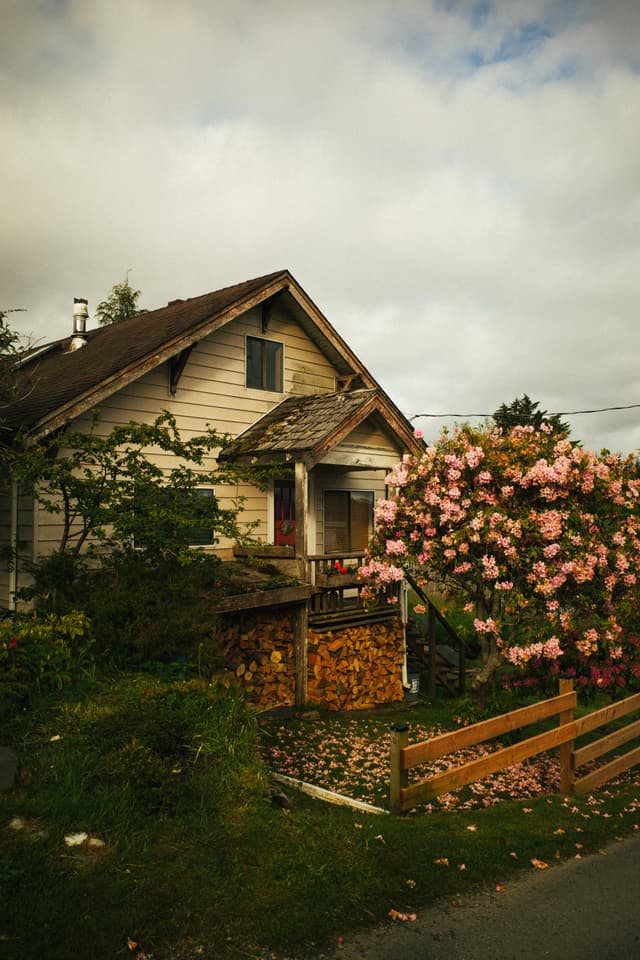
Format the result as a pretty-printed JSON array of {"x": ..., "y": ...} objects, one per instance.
[{"x": 405, "y": 756}]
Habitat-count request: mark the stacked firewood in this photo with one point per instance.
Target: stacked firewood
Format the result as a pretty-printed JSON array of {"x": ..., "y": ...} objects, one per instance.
[
  {"x": 258, "y": 651},
  {"x": 356, "y": 668}
]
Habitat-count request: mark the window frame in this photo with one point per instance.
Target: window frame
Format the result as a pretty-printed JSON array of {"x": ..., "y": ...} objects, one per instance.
[
  {"x": 349, "y": 493},
  {"x": 209, "y": 538},
  {"x": 278, "y": 372}
]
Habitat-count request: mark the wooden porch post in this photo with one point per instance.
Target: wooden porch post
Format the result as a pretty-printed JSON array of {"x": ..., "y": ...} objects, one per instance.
[
  {"x": 302, "y": 519},
  {"x": 301, "y": 621}
]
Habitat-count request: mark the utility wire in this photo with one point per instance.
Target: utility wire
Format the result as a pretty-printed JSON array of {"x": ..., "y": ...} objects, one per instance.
[{"x": 561, "y": 413}]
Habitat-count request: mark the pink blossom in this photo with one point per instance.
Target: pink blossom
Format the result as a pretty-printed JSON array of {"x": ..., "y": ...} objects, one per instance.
[
  {"x": 396, "y": 548},
  {"x": 383, "y": 572},
  {"x": 386, "y": 511},
  {"x": 490, "y": 568}
]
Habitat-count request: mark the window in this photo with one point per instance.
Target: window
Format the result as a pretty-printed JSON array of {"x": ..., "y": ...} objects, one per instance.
[
  {"x": 264, "y": 364},
  {"x": 165, "y": 514},
  {"x": 202, "y": 536},
  {"x": 348, "y": 520}
]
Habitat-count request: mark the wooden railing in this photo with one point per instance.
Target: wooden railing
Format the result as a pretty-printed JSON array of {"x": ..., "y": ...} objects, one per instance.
[
  {"x": 431, "y": 660},
  {"x": 405, "y": 756},
  {"x": 333, "y": 589}
]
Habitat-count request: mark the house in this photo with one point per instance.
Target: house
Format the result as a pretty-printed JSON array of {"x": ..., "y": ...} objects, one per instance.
[{"x": 259, "y": 361}]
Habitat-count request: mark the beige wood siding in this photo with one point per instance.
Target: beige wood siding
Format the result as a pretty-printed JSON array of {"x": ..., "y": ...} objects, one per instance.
[
  {"x": 366, "y": 446},
  {"x": 26, "y": 538},
  {"x": 25, "y": 542},
  {"x": 212, "y": 393}
]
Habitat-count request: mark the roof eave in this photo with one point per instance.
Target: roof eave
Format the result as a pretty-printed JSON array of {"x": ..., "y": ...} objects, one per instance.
[{"x": 89, "y": 399}]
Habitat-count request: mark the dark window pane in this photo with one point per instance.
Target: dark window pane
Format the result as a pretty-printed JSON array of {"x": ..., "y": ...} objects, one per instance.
[
  {"x": 361, "y": 519},
  {"x": 348, "y": 520},
  {"x": 264, "y": 364},
  {"x": 336, "y": 521},
  {"x": 158, "y": 508},
  {"x": 254, "y": 362},
  {"x": 202, "y": 536}
]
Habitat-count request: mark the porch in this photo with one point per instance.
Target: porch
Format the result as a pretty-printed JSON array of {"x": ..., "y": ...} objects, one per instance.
[{"x": 336, "y": 588}]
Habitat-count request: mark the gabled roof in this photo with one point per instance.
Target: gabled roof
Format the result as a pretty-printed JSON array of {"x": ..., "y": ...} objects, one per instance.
[
  {"x": 309, "y": 427},
  {"x": 60, "y": 384}
]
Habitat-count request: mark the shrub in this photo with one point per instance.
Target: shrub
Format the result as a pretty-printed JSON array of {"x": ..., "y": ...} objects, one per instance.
[
  {"x": 142, "y": 610},
  {"x": 41, "y": 653}
]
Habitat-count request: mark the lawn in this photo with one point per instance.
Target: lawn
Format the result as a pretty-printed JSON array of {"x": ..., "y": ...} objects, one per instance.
[{"x": 193, "y": 859}]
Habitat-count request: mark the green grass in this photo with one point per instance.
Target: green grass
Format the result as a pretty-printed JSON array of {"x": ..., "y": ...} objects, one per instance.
[{"x": 195, "y": 855}]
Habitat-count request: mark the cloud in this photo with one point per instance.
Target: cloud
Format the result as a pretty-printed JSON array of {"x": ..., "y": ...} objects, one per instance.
[{"x": 455, "y": 184}]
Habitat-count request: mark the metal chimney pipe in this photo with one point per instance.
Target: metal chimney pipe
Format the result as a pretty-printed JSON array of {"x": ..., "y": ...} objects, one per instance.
[{"x": 80, "y": 315}]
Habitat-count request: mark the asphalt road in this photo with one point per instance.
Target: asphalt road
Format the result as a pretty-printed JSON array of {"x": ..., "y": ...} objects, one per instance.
[{"x": 586, "y": 909}]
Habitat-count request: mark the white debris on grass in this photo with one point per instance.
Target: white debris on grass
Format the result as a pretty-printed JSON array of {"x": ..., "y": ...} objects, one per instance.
[{"x": 76, "y": 839}]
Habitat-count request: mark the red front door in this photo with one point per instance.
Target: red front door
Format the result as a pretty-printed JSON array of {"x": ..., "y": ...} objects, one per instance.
[{"x": 285, "y": 512}]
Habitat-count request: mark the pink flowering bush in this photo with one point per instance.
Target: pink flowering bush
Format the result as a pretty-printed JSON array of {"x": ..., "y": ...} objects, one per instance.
[{"x": 541, "y": 537}]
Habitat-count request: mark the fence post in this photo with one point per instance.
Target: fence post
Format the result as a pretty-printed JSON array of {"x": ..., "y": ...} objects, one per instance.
[
  {"x": 566, "y": 749},
  {"x": 399, "y": 777}
]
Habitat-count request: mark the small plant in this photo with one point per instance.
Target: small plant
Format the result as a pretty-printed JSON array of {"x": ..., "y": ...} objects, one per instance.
[
  {"x": 42, "y": 653},
  {"x": 471, "y": 710}
]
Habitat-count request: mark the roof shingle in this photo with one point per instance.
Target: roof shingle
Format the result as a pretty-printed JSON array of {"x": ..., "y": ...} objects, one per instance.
[
  {"x": 300, "y": 424},
  {"x": 55, "y": 376}
]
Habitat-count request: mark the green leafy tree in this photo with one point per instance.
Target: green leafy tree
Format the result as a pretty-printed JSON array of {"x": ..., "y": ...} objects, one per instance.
[
  {"x": 525, "y": 412},
  {"x": 10, "y": 385},
  {"x": 110, "y": 494},
  {"x": 121, "y": 304},
  {"x": 10, "y": 348}
]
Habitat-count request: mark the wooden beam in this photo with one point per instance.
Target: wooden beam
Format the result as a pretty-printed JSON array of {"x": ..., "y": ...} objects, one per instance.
[
  {"x": 606, "y": 744},
  {"x": 361, "y": 461},
  {"x": 608, "y": 772},
  {"x": 487, "y": 729},
  {"x": 615, "y": 710},
  {"x": 176, "y": 368},
  {"x": 320, "y": 793},
  {"x": 302, "y": 518},
  {"x": 266, "y": 312},
  {"x": 344, "y": 383},
  {"x": 399, "y": 776},
  {"x": 301, "y": 629},
  {"x": 263, "y": 598},
  {"x": 483, "y": 766},
  {"x": 566, "y": 749}
]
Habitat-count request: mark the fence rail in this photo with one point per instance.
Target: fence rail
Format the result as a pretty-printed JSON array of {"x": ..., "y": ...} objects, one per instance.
[{"x": 405, "y": 756}]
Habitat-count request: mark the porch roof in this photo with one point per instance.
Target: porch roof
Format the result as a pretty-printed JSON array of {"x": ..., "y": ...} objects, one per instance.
[{"x": 309, "y": 427}]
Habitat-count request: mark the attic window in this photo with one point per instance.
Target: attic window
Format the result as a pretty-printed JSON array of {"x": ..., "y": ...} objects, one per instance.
[{"x": 264, "y": 364}]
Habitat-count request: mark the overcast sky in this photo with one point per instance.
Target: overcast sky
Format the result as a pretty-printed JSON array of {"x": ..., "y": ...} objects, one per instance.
[{"x": 454, "y": 183}]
